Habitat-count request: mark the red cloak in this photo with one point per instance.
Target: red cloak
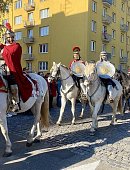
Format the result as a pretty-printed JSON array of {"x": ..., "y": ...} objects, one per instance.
[{"x": 12, "y": 56}]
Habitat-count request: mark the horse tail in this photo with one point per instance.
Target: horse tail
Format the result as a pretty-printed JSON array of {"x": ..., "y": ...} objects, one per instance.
[
  {"x": 120, "y": 107},
  {"x": 45, "y": 111}
]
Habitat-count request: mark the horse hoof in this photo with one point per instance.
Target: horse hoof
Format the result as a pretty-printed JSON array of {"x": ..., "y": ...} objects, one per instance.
[
  {"x": 29, "y": 144},
  {"x": 92, "y": 133},
  {"x": 6, "y": 154},
  {"x": 36, "y": 141},
  {"x": 81, "y": 117},
  {"x": 73, "y": 123},
  {"x": 58, "y": 124}
]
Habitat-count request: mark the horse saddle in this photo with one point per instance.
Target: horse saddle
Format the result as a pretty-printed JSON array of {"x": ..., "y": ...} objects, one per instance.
[{"x": 107, "y": 82}]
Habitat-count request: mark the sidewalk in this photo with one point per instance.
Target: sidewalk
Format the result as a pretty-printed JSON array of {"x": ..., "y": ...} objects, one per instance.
[{"x": 69, "y": 147}]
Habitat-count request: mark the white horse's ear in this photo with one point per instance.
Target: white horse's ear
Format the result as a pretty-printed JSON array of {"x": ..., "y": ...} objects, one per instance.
[
  {"x": 54, "y": 63},
  {"x": 58, "y": 65},
  {"x": 86, "y": 63}
]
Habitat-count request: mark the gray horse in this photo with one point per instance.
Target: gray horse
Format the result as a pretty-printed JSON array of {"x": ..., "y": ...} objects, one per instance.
[{"x": 124, "y": 79}]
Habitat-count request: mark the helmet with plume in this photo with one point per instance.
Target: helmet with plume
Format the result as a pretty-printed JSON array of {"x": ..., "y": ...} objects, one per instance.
[{"x": 9, "y": 32}]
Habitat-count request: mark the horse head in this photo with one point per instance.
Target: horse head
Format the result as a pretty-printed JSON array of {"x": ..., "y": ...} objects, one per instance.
[
  {"x": 55, "y": 70},
  {"x": 90, "y": 73}
]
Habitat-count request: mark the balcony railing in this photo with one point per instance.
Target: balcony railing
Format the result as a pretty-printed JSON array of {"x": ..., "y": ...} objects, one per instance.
[
  {"x": 106, "y": 37},
  {"x": 106, "y": 19},
  {"x": 124, "y": 28},
  {"x": 29, "y": 23},
  {"x": 107, "y": 3},
  {"x": 29, "y": 7},
  {"x": 124, "y": 60},
  {"x": 28, "y": 40},
  {"x": 28, "y": 57}
]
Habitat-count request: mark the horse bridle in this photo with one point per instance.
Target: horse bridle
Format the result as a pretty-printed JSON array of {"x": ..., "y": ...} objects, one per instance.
[{"x": 57, "y": 75}]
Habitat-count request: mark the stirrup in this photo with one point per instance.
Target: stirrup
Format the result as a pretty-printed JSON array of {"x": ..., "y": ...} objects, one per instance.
[
  {"x": 111, "y": 100},
  {"x": 16, "y": 108},
  {"x": 83, "y": 96}
]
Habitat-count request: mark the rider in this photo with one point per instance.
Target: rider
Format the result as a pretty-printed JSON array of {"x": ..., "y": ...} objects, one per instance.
[
  {"x": 79, "y": 80},
  {"x": 106, "y": 79},
  {"x": 11, "y": 53}
]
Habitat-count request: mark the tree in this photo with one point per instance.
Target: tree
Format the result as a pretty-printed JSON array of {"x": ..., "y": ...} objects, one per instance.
[{"x": 4, "y": 5}]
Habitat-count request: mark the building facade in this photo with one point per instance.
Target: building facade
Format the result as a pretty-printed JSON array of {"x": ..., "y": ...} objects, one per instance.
[{"x": 48, "y": 30}]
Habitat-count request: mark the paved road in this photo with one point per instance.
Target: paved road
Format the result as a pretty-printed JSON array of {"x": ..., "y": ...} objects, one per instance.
[{"x": 70, "y": 147}]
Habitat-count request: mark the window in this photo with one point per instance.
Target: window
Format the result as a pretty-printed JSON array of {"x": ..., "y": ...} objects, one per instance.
[
  {"x": 30, "y": 49},
  {"x": 123, "y": 7},
  {"x": 113, "y": 51},
  {"x": 128, "y": 54},
  {"x": 113, "y": 34},
  {"x": 104, "y": 12},
  {"x": 113, "y": 2},
  {"x": 122, "y": 21},
  {"x": 30, "y": 1},
  {"x": 30, "y": 33},
  {"x": 29, "y": 66},
  {"x": 128, "y": 40},
  {"x": 30, "y": 16},
  {"x": 18, "y": 36},
  {"x": 43, "y": 48},
  {"x": 44, "y": 13},
  {"x": 93, "y": 26},
  {"x": 44, "y": 31},
  {"x": 128, "y": 10},
  {"x": 122, "y": 37},
  {"x": 103, "y": 47},
  {"x": 94, "y": 6},
  {"x": 43, "y": 66},
  {"x": 18, "y": 4},
  {"x": 18, "y": 20},
  {"x": 113, "y": 17},
  {"x": 93, "y": 45},
  {"x": 121, "y": 53}
]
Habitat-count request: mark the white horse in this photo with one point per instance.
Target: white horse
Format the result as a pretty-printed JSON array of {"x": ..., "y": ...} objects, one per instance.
[
  {"x": 39, "y": 104},
  {"x": 96, "y": 93},
  {"x": 69, "y": 91}
]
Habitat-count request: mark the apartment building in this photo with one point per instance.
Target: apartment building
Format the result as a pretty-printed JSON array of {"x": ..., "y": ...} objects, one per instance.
[{"x": 48, "y": 29}]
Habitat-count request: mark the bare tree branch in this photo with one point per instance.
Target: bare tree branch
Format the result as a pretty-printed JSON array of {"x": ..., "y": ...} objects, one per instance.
[{"x": 4, "y": 5}]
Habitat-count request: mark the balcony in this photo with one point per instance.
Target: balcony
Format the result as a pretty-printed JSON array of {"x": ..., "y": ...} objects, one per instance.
[
  {"x": 124, "y": 0},
  {"x": 106, "y": 37},
  {"x": 107, "y": 19},
  {"x": 128, "y": 3},
  {"x": 123, "y": 60},
  {"x": 29, "y": 7},
  {"x": 28, "y": 23},
  {"x": 124, "y": 28},
  {"x": 28, "y": 57},
  {"x": 107, "y": 3},
  {"x": 28, "y": 40}
]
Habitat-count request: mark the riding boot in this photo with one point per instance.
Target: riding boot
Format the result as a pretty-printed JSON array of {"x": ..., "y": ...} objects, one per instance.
[
  {"x": 110, "y": 91},
  {"x": 83, "y": 89},
  {"x": 15, "y": 98}
]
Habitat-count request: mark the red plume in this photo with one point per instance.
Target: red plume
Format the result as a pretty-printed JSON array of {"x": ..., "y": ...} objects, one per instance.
[{"x": 8, "y": 26}]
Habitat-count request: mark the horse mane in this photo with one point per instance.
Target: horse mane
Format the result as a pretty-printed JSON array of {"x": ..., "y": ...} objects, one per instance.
[
  {"x": 64, "y": 66},
  {"x": 89, "y": 67}
]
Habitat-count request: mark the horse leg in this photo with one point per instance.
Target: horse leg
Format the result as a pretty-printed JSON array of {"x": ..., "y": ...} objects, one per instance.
[
  {"x": 124, "y": 104},
  {"x": 36, "y": 112},
  {"x": 94, "y": 118},
  {"x": 83, "y": 108},
  {"x": 63, "y": 104},
  {"x": 114, "y": 107},
  {"x": 73, "y": 101},
  {"x": 4, "y": 130}
]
